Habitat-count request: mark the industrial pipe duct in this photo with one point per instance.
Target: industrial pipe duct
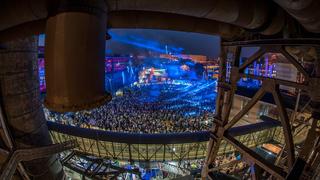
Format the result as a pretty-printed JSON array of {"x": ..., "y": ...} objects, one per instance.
[
  {"x": 168, "y": 21},
  {"x": 305, "y": 11},
  {"x": 75, "y": 52},
  {"x": 20, "y": 100},
  {"x": 16, "y": 12},
  {"x": 248, "y": 14}
]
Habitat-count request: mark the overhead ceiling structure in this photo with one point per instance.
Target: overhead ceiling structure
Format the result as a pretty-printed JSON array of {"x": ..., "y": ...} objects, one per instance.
[
  {"x": 228, "y": 18},
  {"x": 76, "y": 32}
]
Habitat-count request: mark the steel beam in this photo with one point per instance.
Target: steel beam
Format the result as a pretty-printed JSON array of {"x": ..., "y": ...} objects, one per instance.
[
  {"x": 270, "y": 85},
  {"x": 285, "y": 125},
  {"x": 252, "y": 58},
  {"x": 293, "y": 61},
  {"x": 303, "y": 86},
  {"x": 7, "y": 139},
  {"x": 259, "y": 94},
  {"x": 257, "y": 159},
  {"x": 291, "y": 42},
  {"x": 30, "y": 154},
  {"x": 214, "y": 143}
]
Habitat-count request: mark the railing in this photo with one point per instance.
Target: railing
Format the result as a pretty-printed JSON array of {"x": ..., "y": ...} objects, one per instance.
[{"x": 156, "y": 147}]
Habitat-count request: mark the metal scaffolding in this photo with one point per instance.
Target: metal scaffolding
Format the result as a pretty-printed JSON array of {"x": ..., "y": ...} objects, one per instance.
[
  {"x": 13, "y": 156},
  {"x": 296, "y": 162},
  {"x": 94, "y": 167}
]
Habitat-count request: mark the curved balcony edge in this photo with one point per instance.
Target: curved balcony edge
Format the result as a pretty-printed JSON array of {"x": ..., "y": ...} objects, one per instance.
[{"x": 161, "y": 138}]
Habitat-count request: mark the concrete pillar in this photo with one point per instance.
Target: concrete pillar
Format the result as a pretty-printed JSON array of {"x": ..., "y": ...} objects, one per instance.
[
  {"x": 20, "y": 98},
  {"x": 75, "y": 53}
]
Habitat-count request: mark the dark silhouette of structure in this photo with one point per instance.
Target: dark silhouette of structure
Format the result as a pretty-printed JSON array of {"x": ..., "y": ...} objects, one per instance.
[{"x": 76, "y": 34}]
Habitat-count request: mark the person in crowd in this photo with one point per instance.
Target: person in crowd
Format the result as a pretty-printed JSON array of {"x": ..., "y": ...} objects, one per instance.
[{"x": 134, "y": 112}]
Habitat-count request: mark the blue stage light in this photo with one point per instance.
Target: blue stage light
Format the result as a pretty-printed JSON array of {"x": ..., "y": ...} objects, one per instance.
[{"x": 146, "y": 43}]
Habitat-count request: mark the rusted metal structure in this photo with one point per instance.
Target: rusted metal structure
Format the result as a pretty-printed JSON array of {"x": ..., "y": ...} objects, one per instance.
[
  {"x": 98, "y": 168},
  {"x": 25, "y": 141},
  {"x": 300, "y": 163},
  {"x": 31, "y": 154},
  {"x": 22, "y": 119},
  {"x": 228, "y": 18},
  {"x": 82, "y": 24}
]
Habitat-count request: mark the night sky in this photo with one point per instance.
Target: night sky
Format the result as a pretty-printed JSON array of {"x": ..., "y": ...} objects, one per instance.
[
  {"x": 153, "y": 40},
  {"x": 191, "y": 43}
]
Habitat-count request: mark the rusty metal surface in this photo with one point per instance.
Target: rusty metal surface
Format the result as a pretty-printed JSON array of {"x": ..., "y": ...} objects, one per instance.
[
  {"x": 304, "y": 11},
  {"x": 250, "y": 14},
  {"x": 270, "y": 85},
  {"x": 19, "y": 155},
  {"x": 20, "y": 100},
  {"x": 75, "y": 50},
  {"x": 283, "y": 42},
  {"x": 227, "y": 18}
]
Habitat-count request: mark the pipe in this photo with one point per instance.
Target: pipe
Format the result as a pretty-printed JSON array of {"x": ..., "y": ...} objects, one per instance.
[
  {"x": 16, "y": 12},
  {"x": 22, "y": 31},
  {"x": 156, "y": 20},
  {"x": 305, "y": 11},
  {"x": 248, "y": 14},
  {"x": 7, "y": 139},
  {"x": 75, "y": 52},
  {"x": 138, "y": 19},
  {"x": 22, "y": 105}
]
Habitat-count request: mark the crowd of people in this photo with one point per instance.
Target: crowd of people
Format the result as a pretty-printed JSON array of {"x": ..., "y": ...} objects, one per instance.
[{"x": 158, "y": 108}]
